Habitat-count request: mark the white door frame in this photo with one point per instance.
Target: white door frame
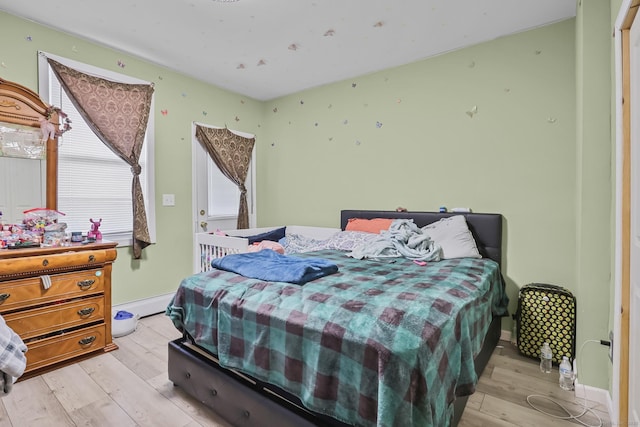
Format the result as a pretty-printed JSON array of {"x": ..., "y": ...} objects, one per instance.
[
  {"x": 634, "y": 237},
  {"x": 621, "y": 308}
]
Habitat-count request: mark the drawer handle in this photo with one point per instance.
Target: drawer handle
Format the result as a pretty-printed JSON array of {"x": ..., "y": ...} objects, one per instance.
[
  {"x": 92, "y": 258},
  {"x": 4, "y": 297},
  {"x": 86, "y": 311},
  {"x": 86, "y": 284},
  {"x": 45, "y": 262},
  {"x": 87, "y": 340}
]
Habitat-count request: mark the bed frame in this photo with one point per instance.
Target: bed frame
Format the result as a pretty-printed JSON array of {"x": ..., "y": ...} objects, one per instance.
[{"x": 245, "y": 401}]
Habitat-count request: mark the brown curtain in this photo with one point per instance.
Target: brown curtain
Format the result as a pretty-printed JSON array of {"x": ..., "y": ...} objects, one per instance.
[
  {"x": 118, "y": 114},
  {"x": 232, "y": 154}
]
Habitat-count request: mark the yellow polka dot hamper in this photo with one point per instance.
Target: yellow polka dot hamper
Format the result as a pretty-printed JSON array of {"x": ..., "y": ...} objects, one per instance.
[{"x": 546, "y": 313}]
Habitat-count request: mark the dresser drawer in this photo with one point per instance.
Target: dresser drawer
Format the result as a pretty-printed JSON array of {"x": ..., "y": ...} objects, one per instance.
[
  {"x": 62, "y": 347},
  {"x": 40, "y": 321},
  {"x": 14, "y": 268},
  {"x": 16, "y": 294},
  {"x": 58, "y": 300}
]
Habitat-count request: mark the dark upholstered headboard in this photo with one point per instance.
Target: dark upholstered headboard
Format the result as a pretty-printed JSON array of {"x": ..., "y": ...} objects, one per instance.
[{"x": 485, "y": 227}]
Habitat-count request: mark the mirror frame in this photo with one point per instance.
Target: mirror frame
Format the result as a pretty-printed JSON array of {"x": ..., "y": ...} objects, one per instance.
[{"x": 20, "y": 105}]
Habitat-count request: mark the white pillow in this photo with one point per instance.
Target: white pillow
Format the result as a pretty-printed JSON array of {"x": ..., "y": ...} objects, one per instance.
[{"x": 454, "y": 237}]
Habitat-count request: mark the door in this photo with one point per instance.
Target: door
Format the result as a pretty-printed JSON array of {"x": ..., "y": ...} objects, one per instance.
[
  {"x": 634, "y": 262},
  {"x": 216, "y": 198}
]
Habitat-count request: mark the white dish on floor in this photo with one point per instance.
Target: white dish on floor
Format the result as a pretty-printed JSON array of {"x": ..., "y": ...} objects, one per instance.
[{"x": 122, "y": 327}]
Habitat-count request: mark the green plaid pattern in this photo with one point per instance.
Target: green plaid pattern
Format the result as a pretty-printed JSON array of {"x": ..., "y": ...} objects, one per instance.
[{"x": 377, "y": 344}]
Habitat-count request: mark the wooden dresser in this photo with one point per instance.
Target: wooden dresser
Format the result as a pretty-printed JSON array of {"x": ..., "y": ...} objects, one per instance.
[{"x": 59, "y": 301}]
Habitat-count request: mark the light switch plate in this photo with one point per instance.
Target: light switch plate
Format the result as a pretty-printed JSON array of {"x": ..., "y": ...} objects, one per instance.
[{"x": 168, "y": 200}]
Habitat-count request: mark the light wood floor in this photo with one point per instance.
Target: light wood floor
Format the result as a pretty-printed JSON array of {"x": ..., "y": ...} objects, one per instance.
[{"x": 129, "y": 387}]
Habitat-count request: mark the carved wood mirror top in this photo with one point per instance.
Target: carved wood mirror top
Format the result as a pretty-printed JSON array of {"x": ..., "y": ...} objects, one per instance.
[{"x": 20, "y": 106}]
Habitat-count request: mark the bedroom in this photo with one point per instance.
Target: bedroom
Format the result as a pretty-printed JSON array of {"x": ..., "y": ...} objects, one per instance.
[{"x": 532, "y": 149}]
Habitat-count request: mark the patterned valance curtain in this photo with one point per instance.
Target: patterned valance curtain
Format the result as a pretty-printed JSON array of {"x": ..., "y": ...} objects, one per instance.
[
  {"x": 118, "y": 114},
  {"x": 232, "y": 154}
]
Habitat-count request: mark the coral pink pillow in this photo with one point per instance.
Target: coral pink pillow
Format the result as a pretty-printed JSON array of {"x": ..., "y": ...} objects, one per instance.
[{"x": 374, "y": 225}]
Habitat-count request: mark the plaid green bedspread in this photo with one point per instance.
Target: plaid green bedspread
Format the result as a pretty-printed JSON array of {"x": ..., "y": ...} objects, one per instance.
[{"x": 376, "y": 344}]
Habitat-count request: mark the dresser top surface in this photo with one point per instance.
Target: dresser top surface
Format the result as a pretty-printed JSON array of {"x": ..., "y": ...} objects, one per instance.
[{"x": 74, "y": 247}]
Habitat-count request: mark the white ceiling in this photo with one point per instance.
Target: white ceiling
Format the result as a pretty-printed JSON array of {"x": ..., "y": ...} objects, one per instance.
[{"x": 268, "y": 48}]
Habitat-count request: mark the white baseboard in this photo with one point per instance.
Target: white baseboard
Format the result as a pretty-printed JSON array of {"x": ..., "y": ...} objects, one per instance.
[
  {"x": 505, "y": 335},
  {"x": 145, "y": 307},
  {"x": 594, "y": 394}
]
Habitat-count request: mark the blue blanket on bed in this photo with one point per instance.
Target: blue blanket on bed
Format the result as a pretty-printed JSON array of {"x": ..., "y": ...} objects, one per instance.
[{"x": 271, "y": 266}]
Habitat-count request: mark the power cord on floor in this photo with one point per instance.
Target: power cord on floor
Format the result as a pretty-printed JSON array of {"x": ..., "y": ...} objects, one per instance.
[{"x": 570, "y": 416}]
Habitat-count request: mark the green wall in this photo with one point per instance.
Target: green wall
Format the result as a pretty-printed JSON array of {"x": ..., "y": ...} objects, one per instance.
[
  {"x": 185, "y": 100},
  {"x": 595, "y": 196},
  {"x": 492, "y": 127},
  {"x": 322, "y": 149}
]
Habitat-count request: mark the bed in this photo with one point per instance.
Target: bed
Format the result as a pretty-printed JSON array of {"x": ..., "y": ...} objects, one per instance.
[{"x": 349, "y": 360}]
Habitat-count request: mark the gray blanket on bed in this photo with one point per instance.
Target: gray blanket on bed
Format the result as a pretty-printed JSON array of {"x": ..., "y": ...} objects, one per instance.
[{"x": 403, "y": 239}]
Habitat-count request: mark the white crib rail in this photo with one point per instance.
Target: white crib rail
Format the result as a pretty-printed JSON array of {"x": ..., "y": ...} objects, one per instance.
[{"x": 210, "y": 246}]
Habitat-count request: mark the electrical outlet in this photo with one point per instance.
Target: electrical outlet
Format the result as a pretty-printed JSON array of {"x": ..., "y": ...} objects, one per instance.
[{"x": 611, "y": 346}]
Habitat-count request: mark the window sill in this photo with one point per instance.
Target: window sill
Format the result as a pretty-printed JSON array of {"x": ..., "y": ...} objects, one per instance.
[
  {"x": 221, "y": 217},
  {"x": 122, "y": 239}
]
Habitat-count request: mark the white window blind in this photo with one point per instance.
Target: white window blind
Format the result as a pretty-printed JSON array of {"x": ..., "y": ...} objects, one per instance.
[{"x": 93, "y": 182}]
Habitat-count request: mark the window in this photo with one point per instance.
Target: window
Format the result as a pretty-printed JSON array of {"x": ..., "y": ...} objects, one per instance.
[
  {"x": 93, "y": 182},
  {"x": 216, "y": 197},
  {"x": 224, "y": 196}
]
